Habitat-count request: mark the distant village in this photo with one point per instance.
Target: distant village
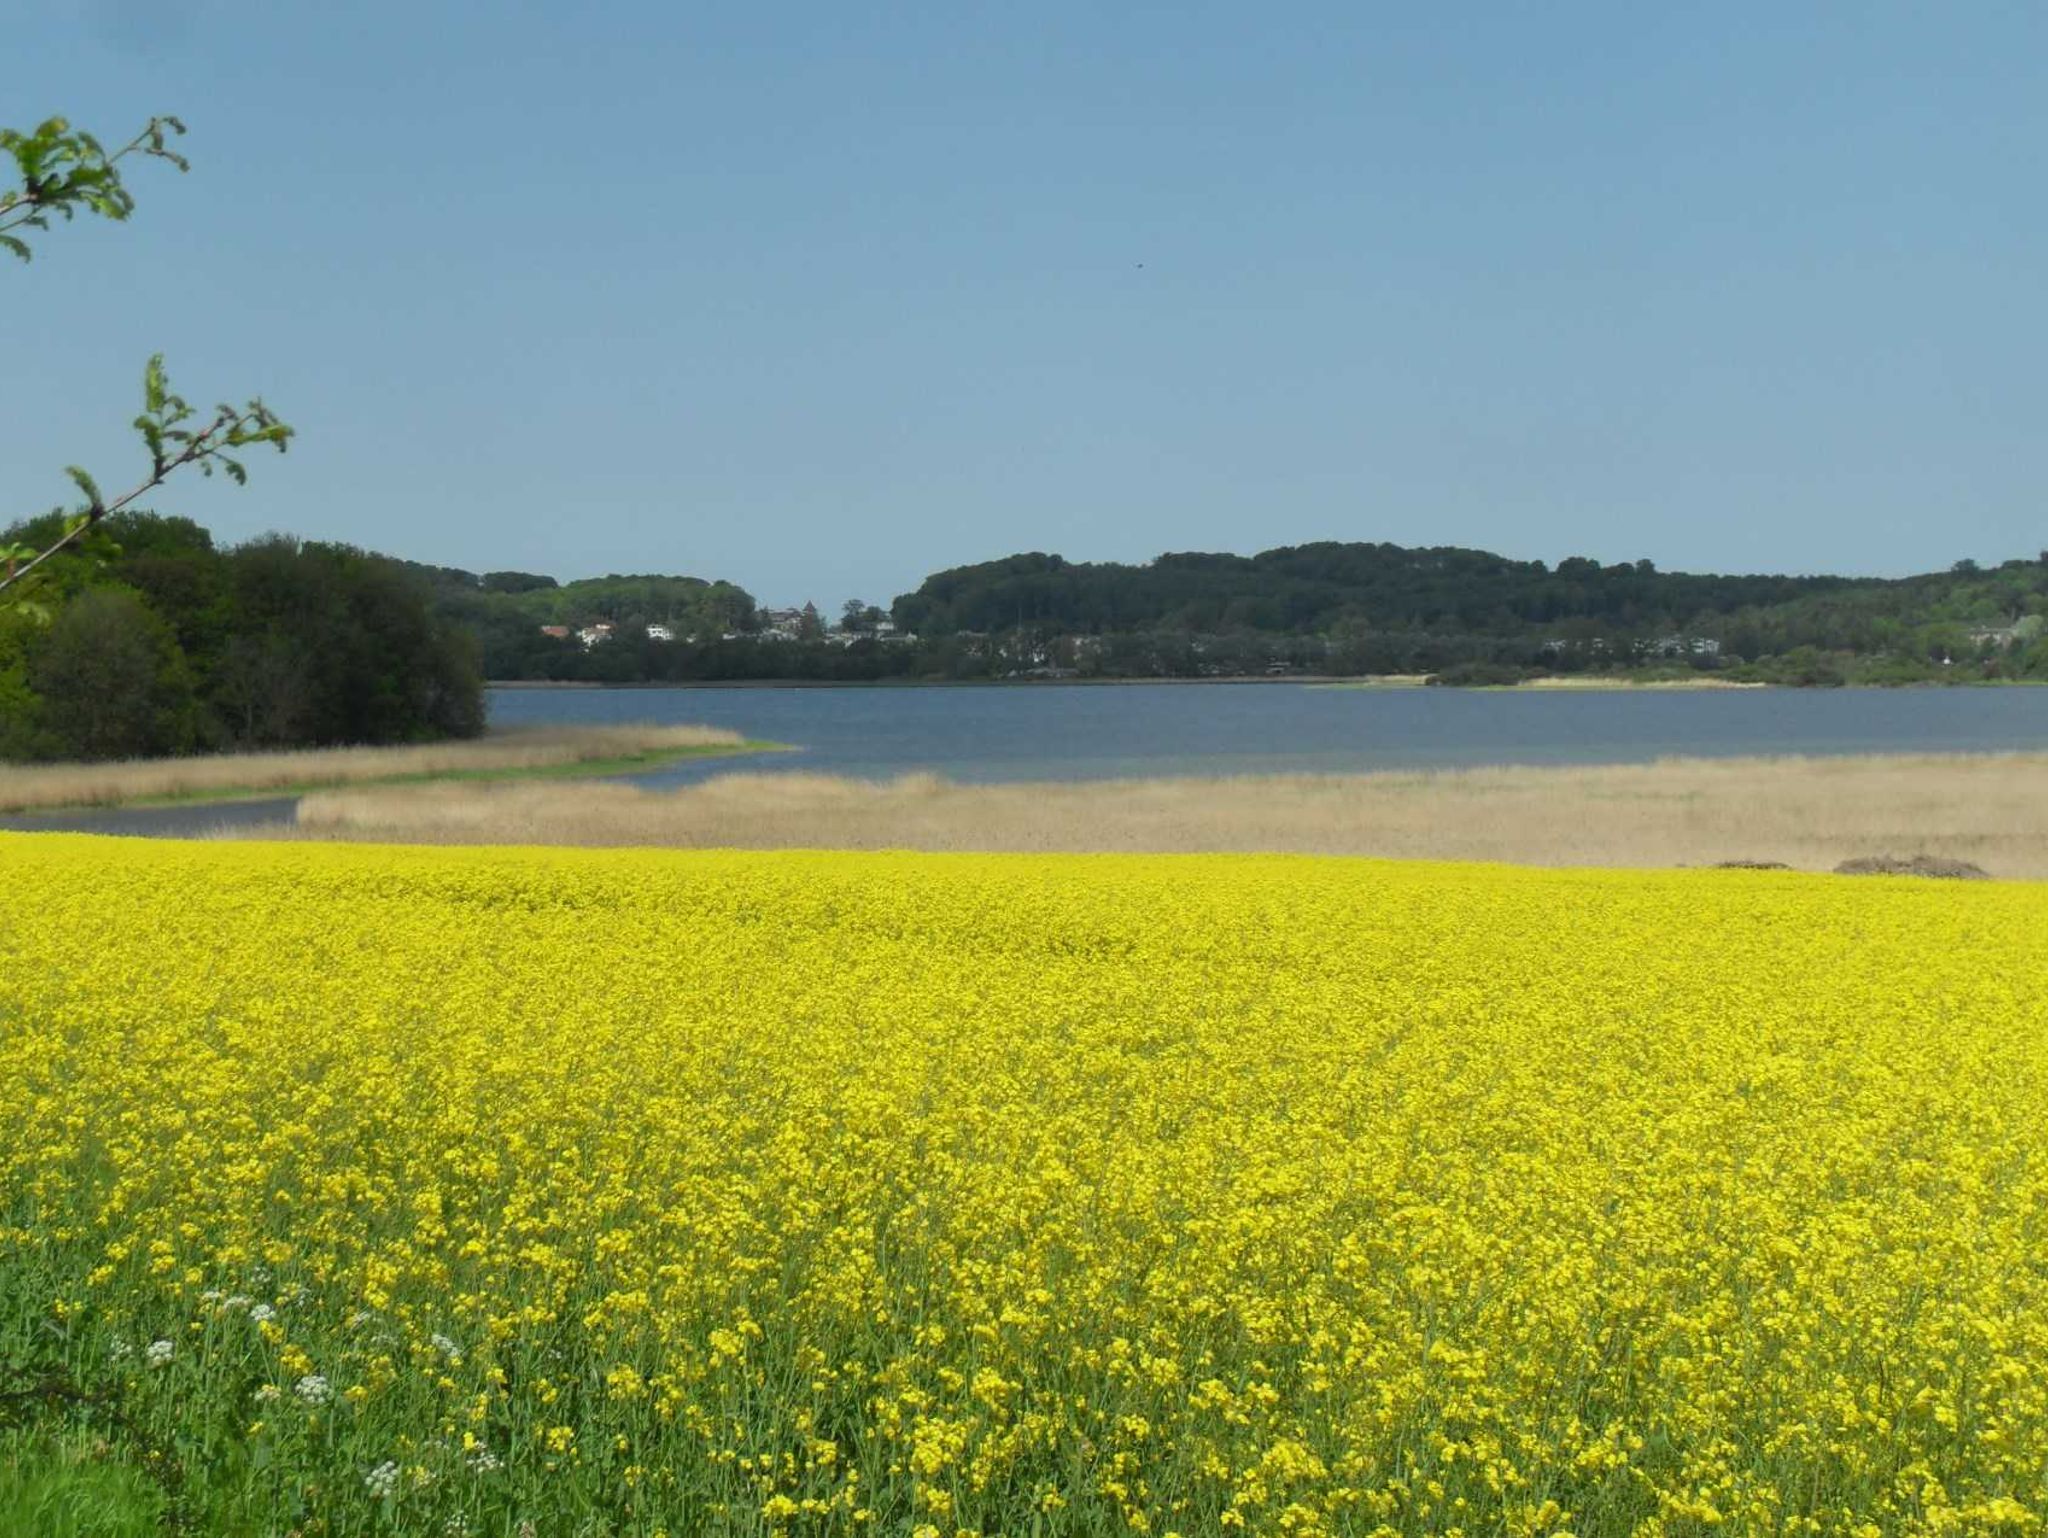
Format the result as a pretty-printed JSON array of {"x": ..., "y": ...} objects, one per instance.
[{"x": 804, "y": 624}]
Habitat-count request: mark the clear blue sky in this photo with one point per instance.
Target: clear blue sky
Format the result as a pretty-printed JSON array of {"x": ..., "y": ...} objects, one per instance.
[{"x": 820, "y": 297}]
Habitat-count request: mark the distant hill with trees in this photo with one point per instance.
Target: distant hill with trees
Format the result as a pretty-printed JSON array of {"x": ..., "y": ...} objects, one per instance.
[
  {"x": 1311, "y": 589},
  {"x": 149, "y": 638},
  {"x": 1329, "y": 608},
  {"x": 511, "y": 615}
]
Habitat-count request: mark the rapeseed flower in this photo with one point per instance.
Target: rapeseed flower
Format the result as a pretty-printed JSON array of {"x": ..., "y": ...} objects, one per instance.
[{"x": 808, "y": 1193}]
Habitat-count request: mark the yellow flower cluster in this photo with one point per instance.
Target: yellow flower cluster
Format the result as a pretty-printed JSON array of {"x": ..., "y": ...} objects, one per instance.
[{"x": 625, "y": 1192}]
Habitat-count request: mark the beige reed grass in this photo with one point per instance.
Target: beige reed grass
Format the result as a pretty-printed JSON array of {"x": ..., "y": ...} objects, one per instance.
[
  {"x": 39, "y": 786},
  {"x": 1809, "y": 813}
]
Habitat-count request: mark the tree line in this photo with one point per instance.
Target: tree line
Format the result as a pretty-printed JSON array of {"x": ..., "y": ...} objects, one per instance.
[
  {"x": 1329, "y": 608},
  {"x": 1311, "y": 589},
  {"x": 149, "y": 638}
]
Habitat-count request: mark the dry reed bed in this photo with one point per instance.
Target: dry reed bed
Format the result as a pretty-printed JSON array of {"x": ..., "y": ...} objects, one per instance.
[
  {"x": 31, "y": 788},
  {"x": 1810, "y": 813}
]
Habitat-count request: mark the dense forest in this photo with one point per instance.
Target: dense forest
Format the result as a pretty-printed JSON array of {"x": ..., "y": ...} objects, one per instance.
[{"x": 150, "y": 639}]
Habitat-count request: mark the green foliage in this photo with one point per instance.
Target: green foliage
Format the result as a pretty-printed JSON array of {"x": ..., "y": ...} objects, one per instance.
[
  {"x": 1343, "y": 610},
  {"x": 1307, "y": 589},
  {"x": 122, "y": 634},
  {"x": 1367, "y": 608},
  {"x": 171, "y": 443},
  {"x": 515, "y": 582},
  {"x": 505, "y": 611},
  {"x": 163, "y": 643},
  {"x": 74, "y": 1488},
  {"x": 111, "y": 680},
  {"x": 19, "y": 705},
  {"x": 64, "y": 171}
]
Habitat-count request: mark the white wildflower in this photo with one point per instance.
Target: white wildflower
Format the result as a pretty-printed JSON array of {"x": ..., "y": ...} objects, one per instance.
[
  {"x": 382, "y": 1481},
  {"x": 270, "y": 1393},
  {"x": 159, "y": 1352},
  {"x": 237, "y": 1300},
  {"x": 484, "y": 1461},
  {"x": 447, "y": 1348},
  {"x": 313, "y": 1389},
  {"x": 262, "y": 1313},
  {"x": 120, "y": 1349}
]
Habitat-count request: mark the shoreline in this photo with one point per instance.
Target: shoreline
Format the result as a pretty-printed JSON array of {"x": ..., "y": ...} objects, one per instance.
[
  {"x": 930, "y": 683},
  {"x": 1550, "y": 684}
]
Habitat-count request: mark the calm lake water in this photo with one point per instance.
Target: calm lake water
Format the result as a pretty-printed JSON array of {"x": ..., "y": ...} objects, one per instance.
[
  {"x": 1044, "y": 732},
  {"x": 1061, "y": 732}
]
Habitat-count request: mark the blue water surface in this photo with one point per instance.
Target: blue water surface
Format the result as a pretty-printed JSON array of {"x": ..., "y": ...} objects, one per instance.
[{"x": 1055, "y": 732}]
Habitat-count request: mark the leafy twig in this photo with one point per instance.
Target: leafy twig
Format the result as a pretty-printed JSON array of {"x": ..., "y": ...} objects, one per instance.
[
  {"x": 63, "y": 169},
  {"x": 172, "y": 445}
]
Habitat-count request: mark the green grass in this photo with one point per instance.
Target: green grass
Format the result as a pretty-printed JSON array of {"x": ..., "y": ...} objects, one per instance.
[{"x": 74, "y": 1488}]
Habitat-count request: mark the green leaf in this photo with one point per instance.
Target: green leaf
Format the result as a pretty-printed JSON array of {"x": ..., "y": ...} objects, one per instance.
[
  {"x": 153, "y": 438},
  {"x": 85, "y": 484}
]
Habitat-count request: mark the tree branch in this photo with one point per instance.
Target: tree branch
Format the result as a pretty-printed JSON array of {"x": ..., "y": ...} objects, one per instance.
[
  {"x": 230, "y": 428},
  {"x": 63, "y": 170}
]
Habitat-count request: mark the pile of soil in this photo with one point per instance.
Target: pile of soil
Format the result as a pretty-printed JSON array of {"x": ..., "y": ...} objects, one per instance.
[
  {"x": 1750, "y": 865},
  {"x": 1918, "y": 865}
]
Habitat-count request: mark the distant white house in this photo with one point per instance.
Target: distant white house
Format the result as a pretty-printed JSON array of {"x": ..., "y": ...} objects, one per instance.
[
  {"x": 884, "y": 633},
  {"x": 660, "y": 633},
  {"x": 595, "y": 635},
  {"x": 1685, "y": 646},
  {"x": 2005, "y": 636}
]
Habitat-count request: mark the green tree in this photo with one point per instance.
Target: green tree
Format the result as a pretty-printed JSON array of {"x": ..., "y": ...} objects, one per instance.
[
  {"x": 335, "y": 645},
  {"x": 111, "y": 680}
]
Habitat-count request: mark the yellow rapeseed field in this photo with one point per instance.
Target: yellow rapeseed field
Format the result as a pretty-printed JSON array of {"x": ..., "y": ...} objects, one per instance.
[{"x": 485, "y": 1191}]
